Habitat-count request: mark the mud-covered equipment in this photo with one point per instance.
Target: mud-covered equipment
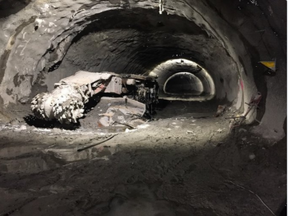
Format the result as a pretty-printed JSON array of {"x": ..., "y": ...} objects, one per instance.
[{"x": 66, "y": 102}]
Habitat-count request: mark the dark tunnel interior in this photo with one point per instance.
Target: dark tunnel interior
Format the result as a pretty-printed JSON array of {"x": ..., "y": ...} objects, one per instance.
[{"x": 143, "y": 107}]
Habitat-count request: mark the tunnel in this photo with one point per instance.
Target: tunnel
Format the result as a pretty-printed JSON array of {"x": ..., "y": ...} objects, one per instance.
[{"x": 216, "y": 142}]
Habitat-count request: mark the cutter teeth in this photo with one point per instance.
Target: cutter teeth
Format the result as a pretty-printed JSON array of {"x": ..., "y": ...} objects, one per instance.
[{"x": 65, "y": 101}]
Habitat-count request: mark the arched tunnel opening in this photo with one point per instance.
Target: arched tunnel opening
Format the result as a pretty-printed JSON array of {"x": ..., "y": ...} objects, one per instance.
[
  {"x": 143, "y": 107},
  {"x": 153, "y": 45},
  {"x": 183, "y": 83}
]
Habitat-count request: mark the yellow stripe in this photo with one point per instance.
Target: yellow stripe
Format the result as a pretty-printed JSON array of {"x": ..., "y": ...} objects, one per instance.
[{"x": 269, "y": 64}]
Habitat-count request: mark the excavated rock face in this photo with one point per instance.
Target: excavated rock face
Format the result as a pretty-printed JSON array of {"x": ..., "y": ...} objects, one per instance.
[{"x": 44, "y": 41}]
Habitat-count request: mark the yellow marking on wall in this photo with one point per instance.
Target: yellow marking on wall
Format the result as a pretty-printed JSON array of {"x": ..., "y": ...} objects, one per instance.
[{"x": 269, "y": 64}]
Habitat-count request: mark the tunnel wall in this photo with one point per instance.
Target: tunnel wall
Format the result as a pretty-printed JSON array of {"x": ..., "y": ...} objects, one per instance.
[{"x": 248, "y": 31}]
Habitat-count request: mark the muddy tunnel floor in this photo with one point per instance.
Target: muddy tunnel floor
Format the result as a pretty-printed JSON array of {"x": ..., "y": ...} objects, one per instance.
[
  {"x": 164, "y": 110},
  {"x": 175, "y": 166}
]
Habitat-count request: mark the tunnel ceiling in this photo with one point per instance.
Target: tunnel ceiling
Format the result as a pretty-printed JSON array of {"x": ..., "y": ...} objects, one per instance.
[
  {"x": 139, "y": 46},
  {"x": 45, "y": 41}
]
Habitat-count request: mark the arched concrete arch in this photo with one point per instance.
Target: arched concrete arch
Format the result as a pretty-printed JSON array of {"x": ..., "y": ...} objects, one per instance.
[{"x": 168, "y": 69}]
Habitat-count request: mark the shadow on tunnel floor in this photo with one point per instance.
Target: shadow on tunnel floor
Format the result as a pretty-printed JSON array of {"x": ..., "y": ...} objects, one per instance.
[
  {"x": 31, "y": 120},
  {"x": 173, "y": 180}
]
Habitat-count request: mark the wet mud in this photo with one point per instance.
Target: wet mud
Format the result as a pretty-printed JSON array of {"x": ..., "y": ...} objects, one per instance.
[{"x": 174, "y": 166}]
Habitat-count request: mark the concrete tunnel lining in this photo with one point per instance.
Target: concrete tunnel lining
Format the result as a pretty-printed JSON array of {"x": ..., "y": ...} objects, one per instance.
[
  {"x": 166, "y": 70},
  {"x": 183, "y": 83}
]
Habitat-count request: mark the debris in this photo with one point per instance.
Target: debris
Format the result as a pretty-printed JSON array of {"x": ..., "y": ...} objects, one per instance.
[
  {"x": 255, "y": 100},
  {"x": 220, "y": 110},
  {"x": 57, "y": 130},
  {"x": 242, "y": 130},
  {"x": 107, "y": 119},
  {"x": 21, "y": 128},
  {"x": 42, "y": 129},
  {"x": 190, "y": 132},
  {"x": 24, "y": 100},
  {"x": 128, "y": 131},
  {"x": 75, "y": 14},
  {"x": 125, "y": 124},
  {"x": 236, "y": 121},
  {"x": 252, "y": 156},
  {"x": 161, "y": 6},
  {"x": 219, "y": 130},
  {"x": 45, "y": 7},
  {"x": 123, "y": 111},
  {"x": 15, "y": 121},
  {"x": 98, "y": 143},
  {"x": 143, "y": 126},
  {"x": 38, "y": 23},
  {"x": 254, "y": 2},
  {"x": 252, "y": 192}
]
